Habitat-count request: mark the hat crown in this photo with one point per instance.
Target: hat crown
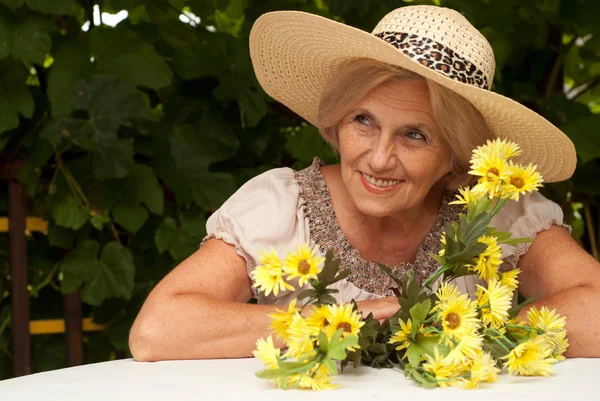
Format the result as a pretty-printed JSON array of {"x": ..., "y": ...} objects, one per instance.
[{"x": 441, "y": 26}]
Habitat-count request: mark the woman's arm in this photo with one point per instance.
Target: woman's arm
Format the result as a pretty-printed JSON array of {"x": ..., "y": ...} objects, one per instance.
[
  {"x": 562, "y": 275},
  {"x": 199, "y": 310}
]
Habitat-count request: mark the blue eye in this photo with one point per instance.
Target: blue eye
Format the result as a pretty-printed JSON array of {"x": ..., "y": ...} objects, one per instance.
[
  {"x": 362, "y": 119},
  {"x": 416, "y": 135}
]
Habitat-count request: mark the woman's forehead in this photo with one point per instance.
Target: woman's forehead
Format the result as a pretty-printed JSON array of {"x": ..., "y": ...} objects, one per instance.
[{"x": 394, "y": 96}]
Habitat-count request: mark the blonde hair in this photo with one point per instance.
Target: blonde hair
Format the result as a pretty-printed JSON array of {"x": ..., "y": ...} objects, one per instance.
[{"x": 459, "y": 123}]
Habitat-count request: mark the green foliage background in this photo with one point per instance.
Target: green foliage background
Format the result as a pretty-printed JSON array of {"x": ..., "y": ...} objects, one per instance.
[{"x": 132, "y": 135}]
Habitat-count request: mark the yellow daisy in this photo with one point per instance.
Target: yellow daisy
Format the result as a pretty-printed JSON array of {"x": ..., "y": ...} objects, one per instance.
[
  {"x": 465, "y": 346},
  {"x": 501, "y": 147},
  {"x": 443, "y": 369},
  {"x": 442, "y": 251},
  {"x": 546, "y": 319},
  {"x": 344, "y": 317},
  {"x": 282, "y": 320},
  {"x": 483, "y": 369},
  {"x": 401, "y": 336},
  {"x": 300, "y": 339},
  {"x": 493, "y": 171},
  {"x": 531, "y": 358},
  {"x": 521, "y": 180},
  {"x": 316, "y": 379},
  {"x": 446, "y": 292},
  {"x": 268, "y": 276},
  {"x": 305, "y": 263},
  {"x": 494, "y": 301},
  {"x": 267, "y": 353},
  {"x": 465, "y": 196},
  {"x": 319, "y": 319},
  {"x": 553, "y": 326},
  {"x": 488, "y": 262},
  {"x": 509, "y": 279},
  {"x": 457, "y": 314}
]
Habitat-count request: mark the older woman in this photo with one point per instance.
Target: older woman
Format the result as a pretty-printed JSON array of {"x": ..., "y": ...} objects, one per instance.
[{"x": 404, "y": 106}]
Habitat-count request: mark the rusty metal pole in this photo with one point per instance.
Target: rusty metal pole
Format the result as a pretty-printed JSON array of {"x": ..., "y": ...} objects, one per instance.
[
  {"x": 73, "y": 329},
  {"x": 18, "y": 271}
]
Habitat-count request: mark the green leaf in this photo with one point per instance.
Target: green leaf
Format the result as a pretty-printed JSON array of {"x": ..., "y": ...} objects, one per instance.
[
  {"x": 72, "y": 63},
  {"x": 6, "y": 32},
  {"x": 79, "y": 265},
  {"x": 583, "y": 133},
  {"x": 113, "y": 158},
  {"x": 131, "y": 217},
  {"x": 306, "y": 143},
  {"x": 307, "y": 294},
  {"x": 271, "y": 373},
  {"x": 56, "y": 7},
  {"x": 14, "y": 4},
  {"x": 419, "y": 312},
  {"x": 145, "y": 188},
  {"x": 15, "y": 97},
  {"x": 323, "y": 342},
  {"x": 119, "y": 51},
  {"x": 414, "y": 354},
  {"x": 166, "y": 235},
  {"x": 70, "y": 212},
  {"x": 98, "y": 220},
  {"x": 31, "y": 39},
  {"x": 330, "y": 365},
  {"x": 60, "y": 237}
]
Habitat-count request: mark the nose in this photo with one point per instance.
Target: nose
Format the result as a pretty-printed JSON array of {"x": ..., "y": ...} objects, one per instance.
[{"x": 382, "y": 156}]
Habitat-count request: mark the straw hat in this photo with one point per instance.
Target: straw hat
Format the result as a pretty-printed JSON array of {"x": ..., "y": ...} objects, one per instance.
[{"x": 295, "y": 54}]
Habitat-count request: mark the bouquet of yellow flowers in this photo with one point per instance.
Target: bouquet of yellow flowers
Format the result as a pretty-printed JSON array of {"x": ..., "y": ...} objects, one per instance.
[{"x": 438, "y": 336}]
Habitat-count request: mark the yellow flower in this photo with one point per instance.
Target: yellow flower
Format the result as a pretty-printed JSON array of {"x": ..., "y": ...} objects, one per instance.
[
  {"x": 446, "y": 292},
  {"x": 488, "y": 262},
  {"x": 553, "y": 326},
  {"x": 494, "y": 301},
  {"x": 546, "y": 319},
  {"x": 401, "y": 336},
  {"x": 516, "y": 321},
  {"x": 305, "y": 263},
  {"x": 268, "y": 276},
  {"x": 501, "y": 147},
  {"x": 531, "y": 358},
  {"x": 316, "y": 379},
  {"x": 465, "y": 346},
  {"x": 442, "y": 251},
  {"x": 521, "y": 180},
  {"x": 465, "y": 196},
  {"x": 300, "y": 340},
  {"x": 483, "y": 369},
  {"x": 319, "y": 319},
  {"x": 344, "y": 317},
  {"x": 457, "y": 313},
  {"x": 282, "y": 320},
  {"x": 267, "y": 353},
  {"x": 493, "y": 171},
  {"x": 443, "y": 369},
  {"x": 509, "y": 279}
]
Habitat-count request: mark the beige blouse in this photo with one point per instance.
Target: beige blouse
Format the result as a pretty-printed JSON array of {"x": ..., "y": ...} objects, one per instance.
[{"x": 282, "y": 208}]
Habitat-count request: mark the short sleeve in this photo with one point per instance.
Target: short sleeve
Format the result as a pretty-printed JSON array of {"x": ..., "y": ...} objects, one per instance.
[
  {"x": 265, "y": 212},
  {"x": 532, "y": 214}
]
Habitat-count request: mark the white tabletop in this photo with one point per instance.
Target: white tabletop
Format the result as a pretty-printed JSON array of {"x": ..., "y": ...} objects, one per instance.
[{"x": 126, "y": 380}]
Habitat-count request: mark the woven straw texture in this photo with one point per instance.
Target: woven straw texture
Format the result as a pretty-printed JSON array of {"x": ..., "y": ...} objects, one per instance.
[{"x": 294, "y": 55}]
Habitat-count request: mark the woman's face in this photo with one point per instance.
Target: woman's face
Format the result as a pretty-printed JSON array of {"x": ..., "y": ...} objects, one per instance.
[{"x": 391, "y": 152}]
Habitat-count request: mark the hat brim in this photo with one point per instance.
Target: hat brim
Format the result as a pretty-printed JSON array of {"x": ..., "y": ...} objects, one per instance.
[{"x": 295, "y": 54}]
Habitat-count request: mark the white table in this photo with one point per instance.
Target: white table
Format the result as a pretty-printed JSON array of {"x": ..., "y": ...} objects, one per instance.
[{"x": 126, "y": 380}]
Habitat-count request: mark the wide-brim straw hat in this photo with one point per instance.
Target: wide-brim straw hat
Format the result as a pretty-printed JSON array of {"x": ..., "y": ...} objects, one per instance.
[{"x": 295, "y": 54}]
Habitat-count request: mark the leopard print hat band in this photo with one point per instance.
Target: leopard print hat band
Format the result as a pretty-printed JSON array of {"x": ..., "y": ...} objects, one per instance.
[{"x": 437, "y": 57}]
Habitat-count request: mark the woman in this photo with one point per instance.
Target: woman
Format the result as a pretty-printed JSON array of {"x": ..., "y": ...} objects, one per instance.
[{"x": 404, "y": 106}]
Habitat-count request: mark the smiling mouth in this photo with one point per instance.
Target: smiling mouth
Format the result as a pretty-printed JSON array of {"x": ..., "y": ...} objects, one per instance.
[{"x": 378, "y": 182}]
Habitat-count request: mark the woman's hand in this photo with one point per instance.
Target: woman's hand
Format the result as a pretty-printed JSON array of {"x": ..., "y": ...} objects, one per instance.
[{"x": 382, "y": 308}]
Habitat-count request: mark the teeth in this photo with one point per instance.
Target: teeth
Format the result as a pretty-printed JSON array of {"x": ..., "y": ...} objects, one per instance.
[{"x": 379, "y": 183}]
